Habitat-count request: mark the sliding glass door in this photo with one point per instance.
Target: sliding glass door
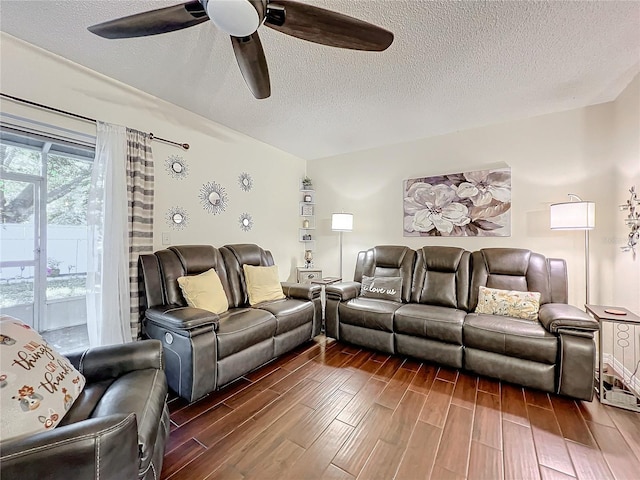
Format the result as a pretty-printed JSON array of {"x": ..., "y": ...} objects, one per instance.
[
  {"x": 20, "y": 267},
  {"x": 44, "y": 185}
]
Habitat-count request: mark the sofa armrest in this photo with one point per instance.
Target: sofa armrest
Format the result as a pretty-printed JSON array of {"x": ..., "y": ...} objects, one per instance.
[
  {"x": 303, "y": 291},
  {"x": 343, "y": 291},
  {"x": 174, "y": 317},
  {"x": 563, "y": 318},
  {"x": 105, "y": 448},
  {"x": 113, "y": 361}
]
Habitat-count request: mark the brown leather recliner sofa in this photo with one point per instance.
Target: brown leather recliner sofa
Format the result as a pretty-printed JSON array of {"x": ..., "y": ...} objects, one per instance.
[
  {"x": 115, "y": 430},
  {"x": 435, "y": 318},
  {"x": 205, "y": 351}
]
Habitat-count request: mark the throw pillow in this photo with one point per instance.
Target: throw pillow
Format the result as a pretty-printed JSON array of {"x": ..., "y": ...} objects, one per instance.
[
  {"x": 263, "y": 283},
  {"x": 204, "y": 291},
  {"x": 509, "y": 303},
  {"x": 37, "y": 384},
  {"x": 387, "y": 288}
]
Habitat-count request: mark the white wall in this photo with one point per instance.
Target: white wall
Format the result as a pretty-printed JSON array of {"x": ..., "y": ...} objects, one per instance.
[
  {"x": 626, "y": 278},
  {"x": 592, "y": 152},
  {"x": 550, "y": 156},
  {"x": 216, "y": 154}
]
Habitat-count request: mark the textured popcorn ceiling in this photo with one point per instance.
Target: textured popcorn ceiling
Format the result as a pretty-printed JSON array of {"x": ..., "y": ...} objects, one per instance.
[{"x": 452, "y": 66}]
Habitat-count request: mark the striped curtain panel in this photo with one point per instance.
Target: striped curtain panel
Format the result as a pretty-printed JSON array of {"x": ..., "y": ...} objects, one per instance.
[{"x": 140, "y": 202}]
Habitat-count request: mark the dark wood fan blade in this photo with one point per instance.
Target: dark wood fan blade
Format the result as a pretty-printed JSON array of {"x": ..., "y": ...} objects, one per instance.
[
  {"x": 253, "y": 64},
  {"x": 325, "y": 26},
  {"x": 153, "y": 22}
]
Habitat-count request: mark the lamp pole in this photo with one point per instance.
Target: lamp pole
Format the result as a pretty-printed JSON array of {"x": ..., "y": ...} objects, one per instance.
[
  {"x": 340, "y": 271},
  {"x": 572, "y": 197},
  {"x": 586, "y": 265}
]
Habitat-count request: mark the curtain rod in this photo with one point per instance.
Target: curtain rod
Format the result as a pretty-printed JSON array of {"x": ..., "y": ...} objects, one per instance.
[{"x": 82, "y": 117}]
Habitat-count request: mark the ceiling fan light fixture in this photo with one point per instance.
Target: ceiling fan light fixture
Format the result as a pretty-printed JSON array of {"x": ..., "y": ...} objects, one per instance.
[{"x": 238, "y": 18}]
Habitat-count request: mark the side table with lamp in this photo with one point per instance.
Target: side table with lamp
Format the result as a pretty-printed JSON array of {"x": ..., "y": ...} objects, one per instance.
[{"x": 617, "y": 375}]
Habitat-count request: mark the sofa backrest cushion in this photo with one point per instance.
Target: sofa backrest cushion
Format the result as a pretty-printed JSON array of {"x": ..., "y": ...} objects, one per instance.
[
  {"x": 388, "y": 261},
  {"x": 235, "y": 256},
  {"x": 509, "y": 269},
  {"x": 159, "y": 272},
  {"x": 441, "y": 277},
  {"x": 194, "y": 260}
]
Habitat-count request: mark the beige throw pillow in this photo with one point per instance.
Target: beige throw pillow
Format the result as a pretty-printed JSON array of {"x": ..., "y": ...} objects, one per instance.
[
  {"x": 204, "y": 291},
  {"x": 37, "y": 384},
  {"x": 510, "y": 303},
  {"x": 263, "y": 283}
]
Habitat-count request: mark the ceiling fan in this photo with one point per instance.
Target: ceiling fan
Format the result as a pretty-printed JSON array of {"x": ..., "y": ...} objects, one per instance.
[{"x": 241, "y": 20}]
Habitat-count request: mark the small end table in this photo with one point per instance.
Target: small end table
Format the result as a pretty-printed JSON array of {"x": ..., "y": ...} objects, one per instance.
[
  {"x": 307, "y": 275},
  {"x": 323, "y": 296},
  {"x": 617, "y": 383}
]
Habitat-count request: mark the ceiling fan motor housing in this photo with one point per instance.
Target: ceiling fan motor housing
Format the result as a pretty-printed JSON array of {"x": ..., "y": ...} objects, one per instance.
[{"x": 239, "y": 18}]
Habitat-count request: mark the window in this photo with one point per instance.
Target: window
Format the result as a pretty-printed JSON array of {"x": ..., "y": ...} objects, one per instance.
[{"x": 44, "y": 189}]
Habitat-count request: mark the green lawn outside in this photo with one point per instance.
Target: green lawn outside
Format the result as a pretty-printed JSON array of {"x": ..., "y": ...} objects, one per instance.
[{"x": 20, "y": 291}]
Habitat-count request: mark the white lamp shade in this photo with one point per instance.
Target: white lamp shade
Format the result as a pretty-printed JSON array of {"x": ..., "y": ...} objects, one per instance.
[
  {"x": 341, "y": 222},
  {"x": 573, "y": 216}
]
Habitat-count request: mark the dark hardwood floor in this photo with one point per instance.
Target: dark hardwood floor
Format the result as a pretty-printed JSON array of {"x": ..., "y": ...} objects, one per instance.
[{"x": 332, "y": 411}]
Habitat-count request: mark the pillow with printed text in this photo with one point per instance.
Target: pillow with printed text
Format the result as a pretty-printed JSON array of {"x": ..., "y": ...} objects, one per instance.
[
  {"x": 386, "y": 288},
  {"x": 37, "y": 384}
]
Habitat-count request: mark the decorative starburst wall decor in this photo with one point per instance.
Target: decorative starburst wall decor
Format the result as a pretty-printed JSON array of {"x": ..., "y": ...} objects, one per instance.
[
  {"x": 177, "y": 218},
  {"x": 213, "y": 198},
  {"x": 177, "y": 167},
  {"x": 245, "y": 181},
  {"x": 246, "y": 222}
]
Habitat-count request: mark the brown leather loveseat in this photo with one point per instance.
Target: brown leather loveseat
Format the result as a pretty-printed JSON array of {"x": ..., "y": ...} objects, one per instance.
[
  {"x": 435, "y": 319},
  {"x": 205, "y": 351}
]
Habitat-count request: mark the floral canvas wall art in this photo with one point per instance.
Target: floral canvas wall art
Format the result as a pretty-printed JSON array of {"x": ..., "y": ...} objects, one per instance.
[{"x": 468, "y": 204}]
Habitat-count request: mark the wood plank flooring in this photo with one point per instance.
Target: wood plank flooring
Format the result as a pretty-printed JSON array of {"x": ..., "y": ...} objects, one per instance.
[{"x": 329, "y": 410}]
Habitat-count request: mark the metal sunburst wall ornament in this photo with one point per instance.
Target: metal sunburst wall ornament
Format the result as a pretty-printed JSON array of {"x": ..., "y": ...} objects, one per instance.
[
  {"x": 213, "y": 198},
  {"x": 177, "y": 218},
  {"x": 176, "y": 166},
  {"x": 245, "y": 181},
  {"x": 246, "y": 222}
]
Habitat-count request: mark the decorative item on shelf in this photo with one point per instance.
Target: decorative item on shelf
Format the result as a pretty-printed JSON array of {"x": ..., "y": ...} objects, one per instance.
[
  {"x": 308, "y": 198},
  {"x": 213, "y": 198},
  {"x": 575, "y": 215},
  {"x": 308, "y": 258},
  {"x": 632, "y": 221},
  {"x": 305, "y": 223},
  {"x": 307, "y": 184},
  {"x": 246, "y": 222},
  {"x": 341, "y": 222},
  {"x": 307, "y": 210},
  {"x": 306, "y": 237},
  {"x": 177, "y": 218},
  {"x": 245, "y": 181},
  {"x": 177, "y": 167}
]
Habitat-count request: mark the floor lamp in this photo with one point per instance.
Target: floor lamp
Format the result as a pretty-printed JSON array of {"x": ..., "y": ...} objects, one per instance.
[
  {"x": 576, "y": 215},
  {"x": 341, "y": 222}
]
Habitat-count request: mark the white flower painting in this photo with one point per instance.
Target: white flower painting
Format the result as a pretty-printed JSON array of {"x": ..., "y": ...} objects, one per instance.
[{"x": 469, "y": 204}]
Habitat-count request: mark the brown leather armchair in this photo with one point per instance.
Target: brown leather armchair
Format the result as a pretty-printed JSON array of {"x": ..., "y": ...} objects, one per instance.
[{"x": 115, "y": 430}]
